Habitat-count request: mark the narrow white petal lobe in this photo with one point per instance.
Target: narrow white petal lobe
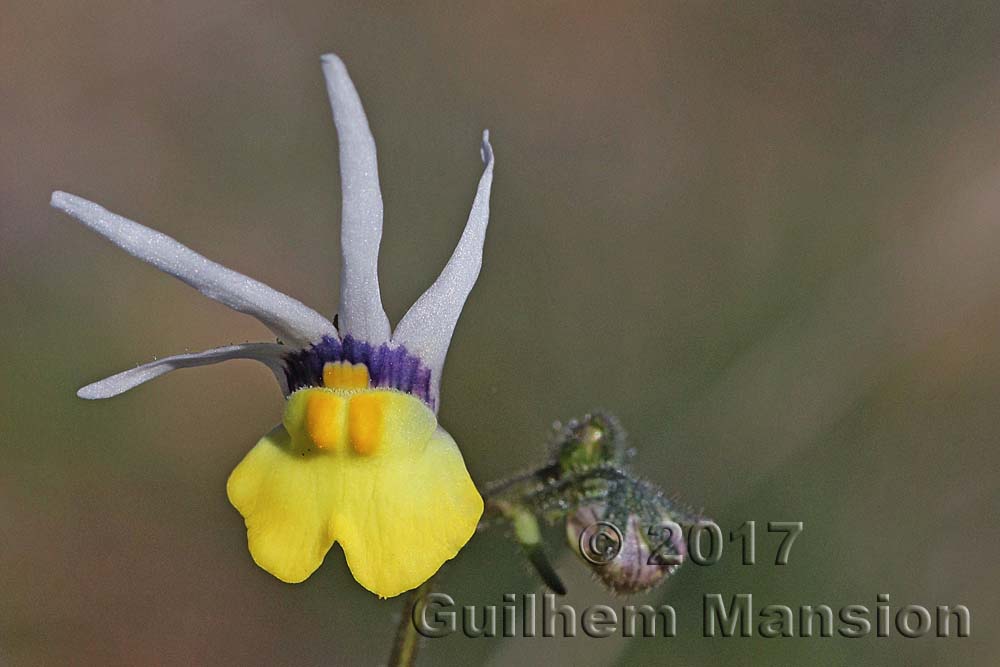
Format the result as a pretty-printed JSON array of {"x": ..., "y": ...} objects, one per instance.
[
  {"x": 266, "y": 353},
  {"x": 427, "y": 328},
  {"x": 288, "y": 318},
  {"x": 360, "y": 314}
]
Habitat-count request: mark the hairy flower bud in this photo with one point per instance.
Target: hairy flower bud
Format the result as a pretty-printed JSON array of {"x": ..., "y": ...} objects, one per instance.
[
  {"x": 583, "y": 444},
  {"x": 631, "y": 540},
  {"x": 624, "y": 529}
]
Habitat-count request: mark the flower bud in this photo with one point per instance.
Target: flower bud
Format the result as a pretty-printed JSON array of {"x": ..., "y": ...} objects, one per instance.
[
  {"x": 583, "y": 444},
  {"x": 624, "y": 529},
  {"x": 630, "y": 540}
]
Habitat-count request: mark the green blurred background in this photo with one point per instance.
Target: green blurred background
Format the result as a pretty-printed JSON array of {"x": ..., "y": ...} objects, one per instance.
[{"x": 765, "y": 235}]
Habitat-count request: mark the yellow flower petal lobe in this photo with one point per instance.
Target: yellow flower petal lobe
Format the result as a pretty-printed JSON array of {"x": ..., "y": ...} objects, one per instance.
[
  {"x": 398, "y": 499},
  {"x": 401, "y": 520},
  {"x": 285, "y": 497}
]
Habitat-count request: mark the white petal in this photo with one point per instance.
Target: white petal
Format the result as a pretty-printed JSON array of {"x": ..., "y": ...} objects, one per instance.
[
  {"x": 289, "y": 319},
  {"x": 266, "y": 353},
  {"x": 360, "y": 314},
  {"x": 427, "y": 327}
]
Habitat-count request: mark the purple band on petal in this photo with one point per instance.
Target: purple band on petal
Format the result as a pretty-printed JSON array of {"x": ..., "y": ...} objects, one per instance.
[{"x": 388, "y": 366}]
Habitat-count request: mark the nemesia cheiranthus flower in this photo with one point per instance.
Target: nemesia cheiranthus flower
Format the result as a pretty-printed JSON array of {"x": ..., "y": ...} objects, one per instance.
[{"x": 359, "y": 457}]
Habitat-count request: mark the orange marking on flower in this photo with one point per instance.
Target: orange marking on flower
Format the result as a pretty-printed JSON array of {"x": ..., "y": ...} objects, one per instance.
[
  {"x": 360, "y": 376},
  {"x": 365, "y": 423},
  {"x": 345, "y": 375},
  {"x": 325, "y": 420}
]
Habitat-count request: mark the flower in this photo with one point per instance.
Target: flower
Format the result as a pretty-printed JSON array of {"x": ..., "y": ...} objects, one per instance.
[{"x": 359, "y": 457}]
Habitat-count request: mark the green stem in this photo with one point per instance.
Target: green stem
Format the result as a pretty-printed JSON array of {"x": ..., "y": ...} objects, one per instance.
[{"x": 407, "y": 643}]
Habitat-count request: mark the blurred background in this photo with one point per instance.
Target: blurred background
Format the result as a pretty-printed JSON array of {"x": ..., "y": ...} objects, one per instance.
[{"x": 767, "y": 236}]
